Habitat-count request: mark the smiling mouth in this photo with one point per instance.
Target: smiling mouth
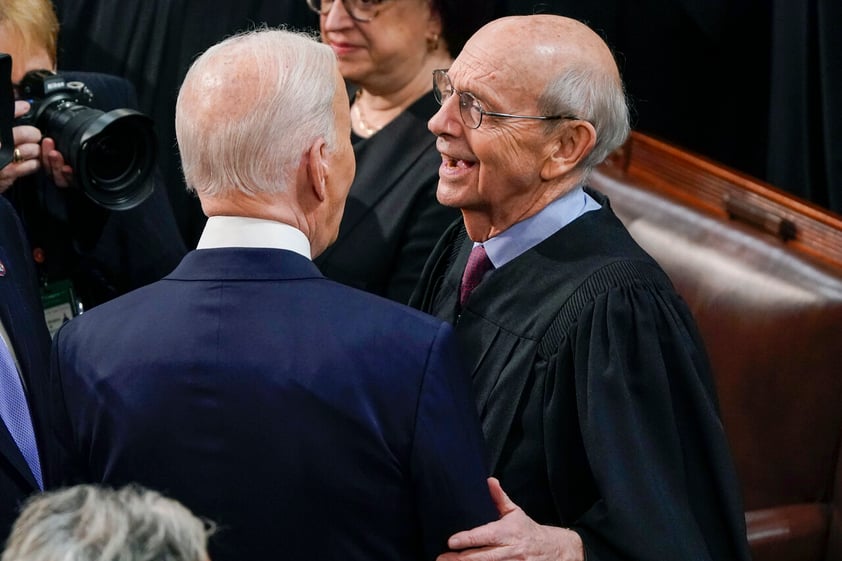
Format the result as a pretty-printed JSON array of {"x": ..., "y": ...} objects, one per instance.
[{"x": 455, "y": 163}]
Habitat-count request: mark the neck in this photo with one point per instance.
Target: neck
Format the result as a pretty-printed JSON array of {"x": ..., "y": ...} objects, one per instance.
[{"x": 275, "y": 207}]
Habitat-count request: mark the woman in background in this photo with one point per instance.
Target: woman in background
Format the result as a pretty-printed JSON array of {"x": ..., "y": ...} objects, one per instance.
[{"x": 387, "y": 51}]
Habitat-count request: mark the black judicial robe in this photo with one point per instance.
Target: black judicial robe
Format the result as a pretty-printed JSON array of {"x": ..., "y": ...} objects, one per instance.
[
  {"x": 392, "y": 219},
  {"x": 595, "y": 393}
]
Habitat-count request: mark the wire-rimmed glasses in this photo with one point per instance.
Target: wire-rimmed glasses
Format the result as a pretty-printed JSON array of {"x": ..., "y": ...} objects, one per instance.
[
  {"x": 359, "y": 10},
  {"x": 471, "y": 109}
]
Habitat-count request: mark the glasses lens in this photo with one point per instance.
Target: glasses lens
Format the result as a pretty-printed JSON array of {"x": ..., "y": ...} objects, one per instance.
[
  {"x": 441, "y": 86},
  {"x": 362, "y": 10},
  {"x": 320, "y": 6},
  {"x": 470, "y": 110}
]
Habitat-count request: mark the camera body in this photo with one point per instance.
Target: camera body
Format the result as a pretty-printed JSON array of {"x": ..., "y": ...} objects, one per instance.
[
  {"x": 112, "y": 154},
  {"x": 47, "y": 91}
]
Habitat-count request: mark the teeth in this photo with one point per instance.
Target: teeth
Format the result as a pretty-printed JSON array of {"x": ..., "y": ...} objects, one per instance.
[{"x": 452, "y": 163}]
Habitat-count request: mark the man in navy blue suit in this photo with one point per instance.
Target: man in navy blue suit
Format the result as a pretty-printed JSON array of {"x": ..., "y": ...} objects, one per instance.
[
  {"x": 24, "y": 335},
  {"x": 307, "y": 419}
]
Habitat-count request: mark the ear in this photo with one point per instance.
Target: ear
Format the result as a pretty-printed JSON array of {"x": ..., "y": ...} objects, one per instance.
[
  {"x": 317, "y": 168},
  {"x": 569, "y": 147},
  {"x": 434, "y": 27}
]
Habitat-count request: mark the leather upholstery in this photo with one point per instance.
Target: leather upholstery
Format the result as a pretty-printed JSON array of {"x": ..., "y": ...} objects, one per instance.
[{"x": 764, "y": 280}]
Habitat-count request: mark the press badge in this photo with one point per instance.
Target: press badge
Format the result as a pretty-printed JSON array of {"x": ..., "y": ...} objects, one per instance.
[{"x": 60, "y": 304}]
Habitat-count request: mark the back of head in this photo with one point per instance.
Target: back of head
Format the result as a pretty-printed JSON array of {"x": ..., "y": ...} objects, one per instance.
[
  {"x": 248, "y": 109},
  {"x": 89, "y": 523},
  {"x": 33, "y": 21}
]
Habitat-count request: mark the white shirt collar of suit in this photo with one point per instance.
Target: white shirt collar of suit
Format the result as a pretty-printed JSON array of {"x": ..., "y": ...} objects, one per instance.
[{"x": 241, "y": 231}]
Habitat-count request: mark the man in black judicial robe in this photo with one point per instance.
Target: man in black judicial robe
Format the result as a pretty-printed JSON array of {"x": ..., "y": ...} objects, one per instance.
[{"x": 592, "y": 383}]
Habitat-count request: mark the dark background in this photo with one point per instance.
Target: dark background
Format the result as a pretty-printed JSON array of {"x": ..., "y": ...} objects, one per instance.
[{"x": 755, "y": 84}]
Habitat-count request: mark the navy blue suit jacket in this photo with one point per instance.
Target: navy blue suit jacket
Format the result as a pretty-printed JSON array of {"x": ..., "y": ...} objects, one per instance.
[
  {"x": 308, "y": 419},
  {"x": 23, "y": 319}
]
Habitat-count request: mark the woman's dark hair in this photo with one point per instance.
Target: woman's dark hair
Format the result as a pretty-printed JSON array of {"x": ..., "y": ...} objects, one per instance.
[{"x": 460, "y": 19}]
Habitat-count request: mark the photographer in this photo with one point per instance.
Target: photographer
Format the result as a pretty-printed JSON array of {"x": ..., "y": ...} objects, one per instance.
[{"x": 84, "y": 252}]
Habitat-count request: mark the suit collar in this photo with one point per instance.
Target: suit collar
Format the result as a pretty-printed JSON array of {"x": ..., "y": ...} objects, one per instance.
[{"x": 244, "y": 263}]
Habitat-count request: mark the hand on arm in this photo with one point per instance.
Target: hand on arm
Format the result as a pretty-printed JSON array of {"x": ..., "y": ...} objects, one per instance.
[{"x": 514, "y": 536}]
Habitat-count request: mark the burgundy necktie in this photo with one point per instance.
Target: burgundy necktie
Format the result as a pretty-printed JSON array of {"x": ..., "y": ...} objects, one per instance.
[{"x": 478, "y": 265}]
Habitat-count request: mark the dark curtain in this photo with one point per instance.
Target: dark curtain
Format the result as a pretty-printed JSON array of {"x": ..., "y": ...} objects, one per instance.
[
  {"x": 754, "y": 84},
  {"x": 805, "y": 117}
]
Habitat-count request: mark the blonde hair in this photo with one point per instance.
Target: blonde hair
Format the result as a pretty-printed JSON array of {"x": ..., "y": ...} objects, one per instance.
[{"x": 35, "y": 23}]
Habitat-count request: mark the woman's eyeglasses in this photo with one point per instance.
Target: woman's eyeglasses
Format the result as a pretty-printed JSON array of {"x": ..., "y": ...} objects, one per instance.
[{"x": 359, "y": 10}]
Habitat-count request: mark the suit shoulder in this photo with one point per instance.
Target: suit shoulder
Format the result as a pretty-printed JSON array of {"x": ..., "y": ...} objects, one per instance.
[{"x": 384, "y": 310}]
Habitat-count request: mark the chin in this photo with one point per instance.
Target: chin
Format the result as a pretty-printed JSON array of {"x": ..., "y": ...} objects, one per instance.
[{"x": 449, "y": 196}]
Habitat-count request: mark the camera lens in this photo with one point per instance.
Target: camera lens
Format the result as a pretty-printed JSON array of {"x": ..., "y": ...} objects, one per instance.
[
  {"x": 112, "y": 154},
  {"x": 112, "y": 158}
]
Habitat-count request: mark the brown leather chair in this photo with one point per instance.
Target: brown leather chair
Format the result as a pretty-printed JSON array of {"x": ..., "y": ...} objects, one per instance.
[{"x": 762, "y": 273}]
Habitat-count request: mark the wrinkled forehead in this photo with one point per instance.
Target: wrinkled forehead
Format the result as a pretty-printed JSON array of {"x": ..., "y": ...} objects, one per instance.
[{"x": 485, "y": 69}]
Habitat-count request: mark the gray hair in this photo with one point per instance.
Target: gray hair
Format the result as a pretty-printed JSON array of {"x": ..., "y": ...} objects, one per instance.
[
  {"x": 594, "y": 95},
  {"x": 91, "y": 523},
  {"x": 288, "y": 93}
]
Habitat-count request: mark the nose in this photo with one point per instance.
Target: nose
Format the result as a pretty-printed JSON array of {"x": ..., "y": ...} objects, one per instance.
[
  {"x": 337, "y": 17},
  {"x": 447, "y": 120}
]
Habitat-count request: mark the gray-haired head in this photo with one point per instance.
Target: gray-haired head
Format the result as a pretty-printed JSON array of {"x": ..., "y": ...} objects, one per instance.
[
  {"x": 250, "y": 106},
  {"x": 593, "y": 95},
  {"x": 91, "y": 523}
]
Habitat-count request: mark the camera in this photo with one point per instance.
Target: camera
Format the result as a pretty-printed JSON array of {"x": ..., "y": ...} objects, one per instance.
[{"x": 112, "y": 154}]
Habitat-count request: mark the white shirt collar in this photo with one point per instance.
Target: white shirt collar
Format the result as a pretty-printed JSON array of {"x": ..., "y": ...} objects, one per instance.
[{"x": 241, "y": 231}]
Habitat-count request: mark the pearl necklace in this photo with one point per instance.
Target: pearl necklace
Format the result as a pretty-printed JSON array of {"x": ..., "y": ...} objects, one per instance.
[{"x": 361, "y": 122}]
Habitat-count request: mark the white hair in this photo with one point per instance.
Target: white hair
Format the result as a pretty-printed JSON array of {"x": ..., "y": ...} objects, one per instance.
[
  {"x": 592, "y": 94},
  {"x": 91, "y": 523},
  {"x": 285, "y": 82}
]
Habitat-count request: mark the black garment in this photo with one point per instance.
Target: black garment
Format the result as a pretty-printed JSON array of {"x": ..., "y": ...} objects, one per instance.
[
  {"x": 595, "y": 394},
  {"x": 105, "y": 253},
  {"x": 23, "y": 319},
  {"x": 392, "y": 219}
]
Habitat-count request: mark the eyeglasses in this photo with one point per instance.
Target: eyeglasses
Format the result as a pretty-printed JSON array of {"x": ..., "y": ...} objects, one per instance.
[
  {"x": 359, "y": 10},
  {"x": 471, "y": 109}
]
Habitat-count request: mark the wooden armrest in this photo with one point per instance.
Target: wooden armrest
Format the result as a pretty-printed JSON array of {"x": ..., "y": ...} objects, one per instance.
[{"x": 789, "y": 533}]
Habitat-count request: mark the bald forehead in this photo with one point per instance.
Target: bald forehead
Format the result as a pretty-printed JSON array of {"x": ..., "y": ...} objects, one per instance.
[{"x": 533, "y": 49}]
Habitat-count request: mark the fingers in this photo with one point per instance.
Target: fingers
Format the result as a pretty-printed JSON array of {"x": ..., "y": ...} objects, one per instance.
[
  {"x": 21, "y": 108},
  {"x": 53, "y": 162},
  {"x": 491, "y": 534},
  {"x": 27, "y": 152},
  {"x": 500, "y": 498},
  {"x": 13, "y": 171}
]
